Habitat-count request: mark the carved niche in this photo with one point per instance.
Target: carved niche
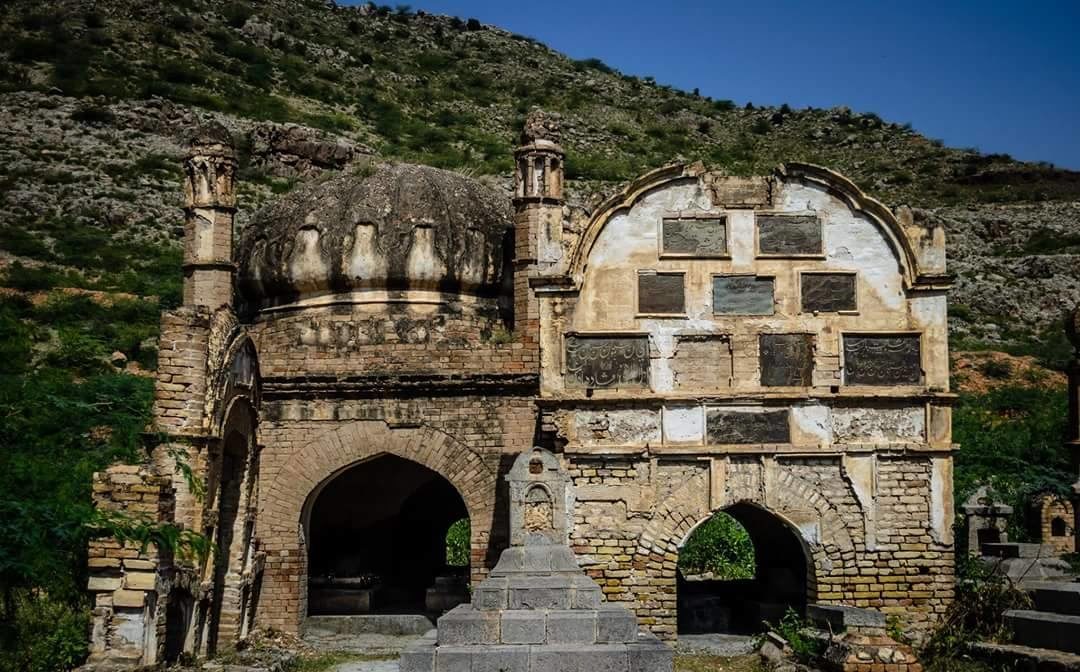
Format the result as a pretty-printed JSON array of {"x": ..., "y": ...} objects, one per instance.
[
  {"x": 786, "y": 359},
  {"x": 732, "y": 426},
  {"x": 828, "y": 292},
  {"x": 539, "y": 491},
  {"x": 782, "y": 235},
  {"x": 694, "y": 237},
  {"x": 661, "y": 293},
  {"x": 871, "y": 359},
  {"x": 607, "y": 361},
  {"x": 743, "y": 295}
]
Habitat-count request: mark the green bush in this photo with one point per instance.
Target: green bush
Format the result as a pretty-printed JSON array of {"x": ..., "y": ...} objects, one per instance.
[
  {"x": 996, "y": 368},
  {"x": 794, "y": 629},
  {"x": 46, "y": 635},
  {"x": 719, "y": 545},
  {"x": 458, "y": 544}
]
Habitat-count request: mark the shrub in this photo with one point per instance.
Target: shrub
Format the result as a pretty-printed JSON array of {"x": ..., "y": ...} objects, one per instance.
[
  {"x": 48, "y": 635},
  {"x": 237, "y": 14},
  {"x": 996, "y": 368},
  {"x": 806, "y": 648},
  {"x": 458, "y": 544},
  {"x": 719, "y": 545}
]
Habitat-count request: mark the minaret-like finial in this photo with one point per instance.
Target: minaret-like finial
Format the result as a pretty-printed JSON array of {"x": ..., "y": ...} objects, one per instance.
[
  {"x": 209, "y": 210},
  {"x": 539, "y": 158}
]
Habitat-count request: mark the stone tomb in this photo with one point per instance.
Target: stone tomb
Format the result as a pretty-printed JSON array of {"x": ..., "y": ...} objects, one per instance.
[{"x": 538, "y": 611}]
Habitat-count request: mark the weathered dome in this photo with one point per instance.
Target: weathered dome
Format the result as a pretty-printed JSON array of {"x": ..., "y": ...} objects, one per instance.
[{"x": 390, "y": 232}]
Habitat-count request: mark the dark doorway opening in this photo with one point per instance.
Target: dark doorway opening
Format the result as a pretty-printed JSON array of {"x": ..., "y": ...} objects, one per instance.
[
  {"x": 740, "y": 601},
  {"x": 178, "y": 613},
  {"x": 378, "y": 539}
]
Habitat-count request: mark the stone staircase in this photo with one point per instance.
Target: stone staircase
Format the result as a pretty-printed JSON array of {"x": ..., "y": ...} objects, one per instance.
[{"x": 1046, "y": 637}]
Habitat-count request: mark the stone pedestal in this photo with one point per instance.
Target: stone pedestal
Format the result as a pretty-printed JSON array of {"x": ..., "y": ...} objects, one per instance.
[{"x": 538, "y": 611}]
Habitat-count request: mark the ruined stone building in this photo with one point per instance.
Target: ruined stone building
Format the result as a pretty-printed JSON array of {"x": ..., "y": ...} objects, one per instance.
[{"x": 360, "y": 369}]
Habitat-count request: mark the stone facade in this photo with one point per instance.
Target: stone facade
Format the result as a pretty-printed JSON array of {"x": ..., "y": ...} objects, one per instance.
[{"x": 773, "y": 346}]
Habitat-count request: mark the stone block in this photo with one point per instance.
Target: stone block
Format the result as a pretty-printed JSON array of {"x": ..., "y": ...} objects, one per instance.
[
  {"x": 571, "y": 627},
  {"x": 145, "y": 565},
  {"x": 103, "y": 563},
  {"x": 140, "y": 580},
  {"x": 453, "y": 658},
  {"x": 1044, "y": 630},
  {"x": 540, "y": 593},
  {"x": 578, "y": 658},
  {"x": 649, "y": 654},
  {"x": 103, "y": 583},
  {"x": 586, "y": 595},
  {"x": 524, "y": 627},
  {"x": 419, "y": 657},
  {"x": 491, "y": 594},
  {"x": 465, "y": 625},
  {"x": 1060, "y": 597},
  {"x": 131, "y": 599},
  {"x": 500, "y": 659},
  {"x": 615, "y": 624},
  {"x": 840, "y": 618}
]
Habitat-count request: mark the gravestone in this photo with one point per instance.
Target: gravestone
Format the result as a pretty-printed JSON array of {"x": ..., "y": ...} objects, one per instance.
[
  {"x": 882, "y": 360},
  {"x": 538, "y": 611},
  {"x": 782, "y": 235},
  {"x": 607, "y": 361},
  {"x": 695, "y": 237},
  {"x": 734, "y": 426},
  {"x": 786, "y": 359},
  {"x": 743, "y": 295},
  {"x": 828, "y": 292},
  {"x": 661, "y": 293}
]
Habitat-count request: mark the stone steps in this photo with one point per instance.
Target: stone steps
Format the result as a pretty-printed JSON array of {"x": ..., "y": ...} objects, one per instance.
[
  {"x": 1044, "y": 630},
  {"x": 608, "y": 624},
  {"x": 1059, "y": 597}
]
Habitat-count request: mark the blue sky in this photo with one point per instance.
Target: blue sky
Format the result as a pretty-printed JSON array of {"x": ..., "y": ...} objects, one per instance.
[{"x": 999, "y": 76}]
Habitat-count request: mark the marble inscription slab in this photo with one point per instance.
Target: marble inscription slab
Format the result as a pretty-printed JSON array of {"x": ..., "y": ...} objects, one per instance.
[
  {"x": 607, "y": 361},
  {"x": 882, "y": 360},
  {"x": 661, "y": 293},
  {"x": 828, "y": 292},
  {"x": 742, "y": 295},
  {"x": 723, "y": 426},
  {"x": 786, "y": 359},
  {"x": 695, "y": 237},
  {"x": 789, "y": 234}
]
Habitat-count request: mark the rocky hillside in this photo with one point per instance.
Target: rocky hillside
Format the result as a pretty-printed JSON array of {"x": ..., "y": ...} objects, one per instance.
[{"x": 97, "y": 96}]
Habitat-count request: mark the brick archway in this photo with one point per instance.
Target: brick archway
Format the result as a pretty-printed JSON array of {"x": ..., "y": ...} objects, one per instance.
[
  {"x": 284, "y": 590},
  {"x": 655, "y": 557}
]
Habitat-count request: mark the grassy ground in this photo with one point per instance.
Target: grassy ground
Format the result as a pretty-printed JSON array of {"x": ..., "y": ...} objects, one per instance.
[{"x": 700, "y": 663}]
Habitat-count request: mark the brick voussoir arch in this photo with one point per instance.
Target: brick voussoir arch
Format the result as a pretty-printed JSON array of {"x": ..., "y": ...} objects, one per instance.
[
  {"x": 298, "y": 481},
  {"x": 335, "y": 450}
]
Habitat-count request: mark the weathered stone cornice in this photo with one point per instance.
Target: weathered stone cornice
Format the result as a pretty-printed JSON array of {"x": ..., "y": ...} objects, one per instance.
[{"x": 417, "y": 384}]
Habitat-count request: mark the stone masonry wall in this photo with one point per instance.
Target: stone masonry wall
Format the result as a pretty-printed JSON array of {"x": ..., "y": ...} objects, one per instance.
[
  {"x": 632, "y": 515},
  {"x": 125, "y": 579}
]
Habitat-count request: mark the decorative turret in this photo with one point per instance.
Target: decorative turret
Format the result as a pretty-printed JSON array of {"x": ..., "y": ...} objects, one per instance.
[
  {"x": 209, "y": 211},
  {"x": 538, "y": 201}
]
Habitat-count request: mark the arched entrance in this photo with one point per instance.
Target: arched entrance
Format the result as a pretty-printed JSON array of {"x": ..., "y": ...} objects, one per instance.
[
  {"x": 377, "y": 536},
  {"x": 739, "y": 599}
]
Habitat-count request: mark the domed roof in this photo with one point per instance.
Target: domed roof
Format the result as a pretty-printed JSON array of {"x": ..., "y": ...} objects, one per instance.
[{"x": 392, "y": 227}]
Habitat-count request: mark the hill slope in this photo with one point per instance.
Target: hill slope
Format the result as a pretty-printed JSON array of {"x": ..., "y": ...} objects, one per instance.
[{"x": 99, "y": 94}]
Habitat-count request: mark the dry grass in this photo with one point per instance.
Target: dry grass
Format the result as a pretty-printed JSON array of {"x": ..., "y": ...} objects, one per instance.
[{"x": 704, "y": 663}]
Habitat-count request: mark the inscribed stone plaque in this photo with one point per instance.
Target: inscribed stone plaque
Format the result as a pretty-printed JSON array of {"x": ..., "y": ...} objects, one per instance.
[
  {"x": 789, "y": 234},
  {"x": 724, "y": 426},
  {"x": 742, "y": 295},
  {"x": 607, "y": 361},
  {"x": 882, "y": 360},
  {"x": 828, "y": 292},
  {"x": 660, "y": 293},
  {"x": 695, "y": 237},
  {"x": 786, "y": 359}
]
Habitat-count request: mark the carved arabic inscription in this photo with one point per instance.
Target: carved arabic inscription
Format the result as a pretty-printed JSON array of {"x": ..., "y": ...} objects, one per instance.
[
  {"x": 828, "y": 292},
  {"x": 882, "y": 360},
  {"x": 695, "y": 237},
  {"x": 786, "y": 359},
  {"x": 742, "y": 295},
  {"x": 607, "y": 361},
  {"x": 789, "y": 234}
]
